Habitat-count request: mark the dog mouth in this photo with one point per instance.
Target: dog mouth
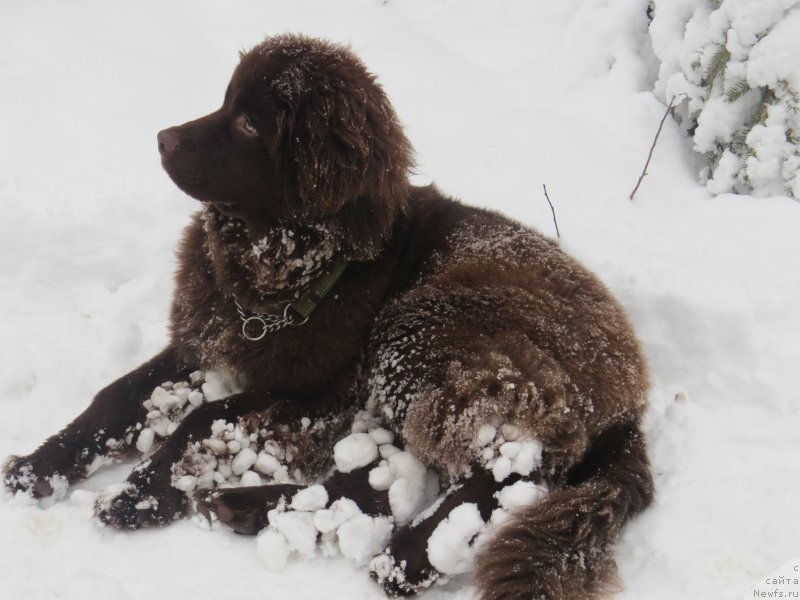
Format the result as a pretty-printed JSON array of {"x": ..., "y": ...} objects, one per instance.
[{"x": 190, "y": 181}]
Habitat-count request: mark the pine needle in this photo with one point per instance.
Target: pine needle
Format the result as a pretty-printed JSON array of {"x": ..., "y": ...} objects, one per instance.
[
  {"x": 737, "y": 91},
  {"x": 717, "y": 66}
]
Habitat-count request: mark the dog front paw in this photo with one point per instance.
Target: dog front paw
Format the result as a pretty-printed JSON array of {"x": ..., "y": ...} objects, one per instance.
[
  {"x": 20, "y": 475},
  {"x": 133, "y": 505},
  {"x": 120, "y": 506}
]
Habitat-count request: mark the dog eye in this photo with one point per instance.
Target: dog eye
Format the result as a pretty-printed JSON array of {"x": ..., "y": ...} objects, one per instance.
[{"x": 247, "y": 125}]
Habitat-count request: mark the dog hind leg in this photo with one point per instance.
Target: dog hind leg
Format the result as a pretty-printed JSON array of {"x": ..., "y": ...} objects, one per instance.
[
  {"x": 419, "y": 552},
  {"x": 245, "y": 510}
]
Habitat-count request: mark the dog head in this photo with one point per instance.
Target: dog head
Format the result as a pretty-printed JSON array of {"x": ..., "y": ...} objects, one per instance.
[{"x": 304, "y": 132}]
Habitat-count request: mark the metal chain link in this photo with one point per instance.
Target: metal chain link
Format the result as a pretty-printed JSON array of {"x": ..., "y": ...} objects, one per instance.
[{"x": 267, "y": 323}]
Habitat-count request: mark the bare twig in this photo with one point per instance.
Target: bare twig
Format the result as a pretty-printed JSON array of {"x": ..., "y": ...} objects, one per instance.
[
  {"x": 552, "y": 210},
  {"x": 670, "y": 108}
]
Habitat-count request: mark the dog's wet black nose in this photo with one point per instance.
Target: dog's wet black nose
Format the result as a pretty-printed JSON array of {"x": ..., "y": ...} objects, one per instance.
[{"x": 168, "y": 142}]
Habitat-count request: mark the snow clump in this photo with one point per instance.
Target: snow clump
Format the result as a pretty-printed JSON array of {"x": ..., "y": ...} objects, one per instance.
[
  {"x": 505, "y": 449},
  {"x": 410, "y": 485},
  {"x": 306, "y": 522},
  {"x": 355, "y": 451},
  {"x": 234, "y": 456},
  {"x": 363, "y": 536},
  {"x": 450, "y": 550},
  {"x": 167, "y": 406},
  {"x": 303, "y": 524},
  {"x": 520, "y": 494}
]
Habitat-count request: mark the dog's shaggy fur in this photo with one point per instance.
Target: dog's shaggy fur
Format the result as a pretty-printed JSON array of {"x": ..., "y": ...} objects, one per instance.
[{"x": 446, "y": 318}]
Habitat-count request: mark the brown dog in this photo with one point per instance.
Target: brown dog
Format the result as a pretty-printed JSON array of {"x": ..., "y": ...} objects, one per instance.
[{"x": 324, "y": 284}]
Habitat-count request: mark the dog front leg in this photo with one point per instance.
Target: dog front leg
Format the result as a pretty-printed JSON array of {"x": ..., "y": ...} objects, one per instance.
[
  {"x": 106, "y": 427},
  {"x": 148, "y": 498}
]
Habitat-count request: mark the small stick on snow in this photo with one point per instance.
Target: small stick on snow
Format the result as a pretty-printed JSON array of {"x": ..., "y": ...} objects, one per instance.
[
  {"x": 670, "y": 108},
  {"x": 552, "y": 210}
]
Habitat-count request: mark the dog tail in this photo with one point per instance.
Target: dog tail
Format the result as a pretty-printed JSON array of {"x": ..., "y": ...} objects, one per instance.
[{"x": 558, "y": 549}]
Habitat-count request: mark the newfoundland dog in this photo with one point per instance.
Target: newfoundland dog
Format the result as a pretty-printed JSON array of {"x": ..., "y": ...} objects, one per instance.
[{"x": 360, "y": 350}]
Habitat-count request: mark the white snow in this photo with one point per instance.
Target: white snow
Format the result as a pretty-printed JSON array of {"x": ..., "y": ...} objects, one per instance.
[
  {"x": 235, "y": 454},
  {"x": 355, "y": 451},
  {"x": 485, "y": 435},
  {"x": 363, "y": 536},
  {"x": 519, "y": 494},
  {"x": 344, "y": 528},
  {"x": 381, "y": 436},
  {"x": 218, "y": 385},
  {"x": 273, "y": 549},
  {"x": 250, "y": 478},
  {"x": 497, "y": 99},
  {"x": 245, "y": 459},
  {"x": 407, "y": 480},
  {"x": 381, "y": 478},
  {"x": 501, "y": 468},
  {"x": 506, "y": 450},
  {"x": 387, "y": 450},
  {"x": 145, "y": 440},
  {"x": 186, "y": 483},
  {"x": 340, "y": 511},
  {"x": 266, "y": 463},
  {"x": 312, "y": 498},
  {"x": 405, "y": 498},
  {"x": 60, "y": 487},
  {"x": 298, "y": 529},
  {"x": 449, "y": 547}
]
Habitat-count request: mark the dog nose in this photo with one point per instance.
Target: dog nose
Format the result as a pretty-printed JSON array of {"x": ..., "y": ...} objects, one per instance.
[{"x": 168, "y": 142}]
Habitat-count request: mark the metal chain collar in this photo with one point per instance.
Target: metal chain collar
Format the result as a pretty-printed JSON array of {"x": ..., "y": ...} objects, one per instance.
[{"x": 257, "y": 325}]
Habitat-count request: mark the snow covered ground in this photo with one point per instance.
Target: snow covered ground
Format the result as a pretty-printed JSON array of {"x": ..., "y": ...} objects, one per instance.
[{"x": 498, "y": 99}]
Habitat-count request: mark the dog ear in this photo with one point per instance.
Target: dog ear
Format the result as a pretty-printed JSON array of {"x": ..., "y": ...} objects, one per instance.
[{"x": 339, "y": 141}]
